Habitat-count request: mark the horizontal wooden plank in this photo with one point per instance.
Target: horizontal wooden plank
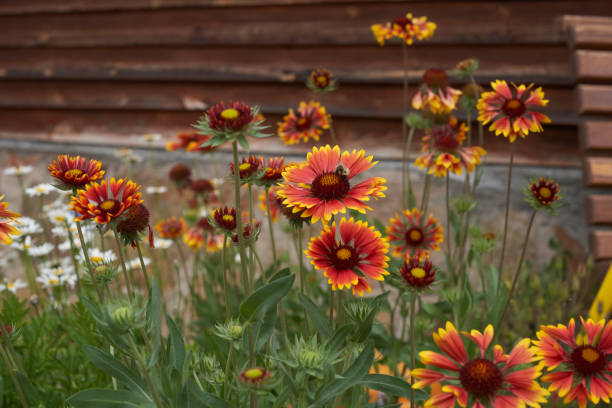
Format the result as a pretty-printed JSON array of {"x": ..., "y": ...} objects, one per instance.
[
  {"x": 599, "y": 209},
  {"x": 592, "y": 36},
  {"x": 541, "y": 64},
  {"x": 596, "y": 135},
  {"x": 594, "y": 98},
  {"x": 510, "y": 22},
  {"x": 381, "y": 135},
  {"x": 378, "y": 100},
  {"x": 569, "y": 21},
  {"x": 598, "y": 172},
  {"x": 591, "y": 65},
  {"x": 601, "y": 244}
]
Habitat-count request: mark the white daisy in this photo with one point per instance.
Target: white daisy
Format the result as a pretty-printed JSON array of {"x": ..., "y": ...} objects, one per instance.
[
  {"x": 13, "y": 286},
  {"x": 203, "y": 212},
  {"x": 41, "y": 250},
  {"x": 59, "y": 216},
  {"x": 28, "y": 226},
  {"x": 49, "y": 281},
  {"x": 135, "y": 263},
  {"x": 18, "y": 170},
  {"x": 97, "y": 256},
  {"x": 156, "y": 189},
  {"x": 162, "y": 243},
  {"x": 39, "y": 190},
  {"x": 152, "y": 137}
]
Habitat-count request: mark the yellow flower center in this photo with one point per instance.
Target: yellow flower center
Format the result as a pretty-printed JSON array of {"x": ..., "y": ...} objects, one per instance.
[
  {"x": 230, "y": 114},
  {"x": 10, "y": 285},
  {"x": 253, "y": 373},
  {"x": 96, "y": 259},
  {"x": 415, "y": 235},
  {"x": 60, "y": 218},
  {"x": 343, "y": 254},
  {"x": 72, "y": 173},
  {"x": 244, "y": 166},
  {"x": 418, "y": 272},
  {"x": 545, "y": 192},
  {"x": 301, "y": 121},
  {"x": 321, "y": 80},
  {"x": 40, "y": 189},
  {"x": 513, "y": 104},
  {"x": 228, "y": 218},
  {"x": 329, "y": 179},
  {"x": 54, "y": 281},
  {"x": 58, "y": 272},
  {"x": 590, "y": 355},
  {"x": 107, "y": 205}
]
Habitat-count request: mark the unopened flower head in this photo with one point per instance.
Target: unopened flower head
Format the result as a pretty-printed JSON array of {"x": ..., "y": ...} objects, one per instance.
[
  {"x": 180, "y": 174},
  {"x": 321, "y": 81}
]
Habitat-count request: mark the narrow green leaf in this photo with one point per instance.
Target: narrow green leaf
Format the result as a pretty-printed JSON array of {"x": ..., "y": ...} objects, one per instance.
[
  {"x": 320, "y": 321},
  {"x": 243, "y": 142},
  {"x": 339, "y": 337},
  {"x": 391, "y": 385},
  {"x": 102, "y": 398},
  {"x": 266, "y": 296},
  {"x": 208, "y": 399},
  {"x": 117, "y": 369},
  {"x": 265, "y": 328},
  {"x": 30, "y": 391},
  {"x": 177, "y": 345}
]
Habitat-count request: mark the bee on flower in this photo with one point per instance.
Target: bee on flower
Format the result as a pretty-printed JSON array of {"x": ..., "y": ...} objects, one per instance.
[
  {"x": 435, "y": 94},
  {"x": 512, "y": 112},
  {"x": 411, "y": 233},
  {"x": 407, "y": 28},
  {"x": 307, "y": 122}
]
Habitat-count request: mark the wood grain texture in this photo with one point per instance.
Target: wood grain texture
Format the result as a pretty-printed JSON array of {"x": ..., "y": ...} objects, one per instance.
[
  {"x": 595, "y": 99},
  {"x": 601, "y": 244},
  {"x": 596, "y": 135},
  {"x": 593, "y": 65},
  {"x": 599, "y": 209},
  {"x": 592, "y": 35},
  {"x": 598, "y": 172}
]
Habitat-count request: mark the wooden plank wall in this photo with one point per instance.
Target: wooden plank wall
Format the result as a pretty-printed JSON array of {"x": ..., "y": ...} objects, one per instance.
[
  {"x": 591, "y": 42},
  {"x": 107, "y": 71}
]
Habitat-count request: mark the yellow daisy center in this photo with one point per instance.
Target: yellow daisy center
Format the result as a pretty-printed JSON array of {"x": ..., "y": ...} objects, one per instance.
[
  {"x": 343, "y": 254},
  {"x": 244, "y": 166},
  {"x": 230, "y": 114},
  {"x": 54, "y": 281},
  {"x": 253, "y": 373},
  {"x": 60, "y": 218},
  {"x": 107, "y": 205},
  {"x": 228, "y": 218},
  {"x": 10, "y": 285},
  {"x": 58, "y": 272},
  {"x": 73, "y": 173},
  {"x": 96, "y": 259},
  {"x": 329, "y": 179},
  {"x": 590, "y": 355},
  {"x": 545, "y": 192},
  {"x": 40, "y": 189},
  {"x": 418, "y": 272}
]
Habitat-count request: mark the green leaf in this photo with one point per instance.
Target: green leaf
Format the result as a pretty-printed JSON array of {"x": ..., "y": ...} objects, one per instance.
[
  {"x": 243, "y": 142},
  {"x": 391, "y": 385},
  {"x": 339, "y": 337},
  {"x": 350, "y": 377},
  {"x": 101, "y": 398},
  {"x": 208, "y": 399},
  {"x": 154, "y": 316},
  {"x": 265, "y": 328},
  {"x": 31, "y": 393},
  {"x": 1, "y": 392},
  {"x": 117, "y": 369},
  {"x": 177, "y": 345},
  {"x": 320, "y": 321},
  {"x": 266, "y": 296}
]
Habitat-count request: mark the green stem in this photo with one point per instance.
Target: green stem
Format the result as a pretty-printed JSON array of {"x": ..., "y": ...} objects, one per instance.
[
  {"x": 412, "y": 345},
  {"x": 123, "y": 267},
  {"x": 73, "y": 250},
  {"x": 425, "y": 195},
  {"x": 302, "y": 275},
  {"x": 143, "y": 369},
  {"x": 480, "y": 128},
  {"x": 88, "y": 261},
  {"x": 331, "y": 306},
  {"x": 270, "y": 225},
  {"x": 185, "y": 271},
  {"x": 225, "y": 283},
  {"x": 503, "y": 253},
  {"x": 518, "y": 268},
  {"x": 11, "y": 371},
  {"x": 144, "y": 268},
  {"x": 448, "y": 226},
  {"x": 227, "y": 371},
  {"x": 251, "y": 256}
]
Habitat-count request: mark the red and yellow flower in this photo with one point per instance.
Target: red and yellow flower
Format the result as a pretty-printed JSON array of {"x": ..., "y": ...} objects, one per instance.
[
  {"x": 273, "y": 170},
  {"x": 224, "y": 219},
  {"x": 6, "y": 229},
  {"x": 275, "y": 209},
  {"x": 308, "y": 122},
  {"x": 405, "y": 27},
  {"x": 190, "y": 141},
  {"x": 75, "y": 172},
  {"x": 234, "y": 116},
  {"x": 214, "y": 242},
  {"x": 544, "y": 191},
  {"x": 359, "y": 252},
  {"x": 581, "y": 370},
  {"x": 171, "y": 228},
  {"x": 254, "y": 376},
  {"x": 503, "y": 381},
  {"x": 444, "y": 151},
  {"x": 511, "y": 111},
  {"x": 418, "y": 272},
  {"x": 194, "y": 238},
  {"x": 412, "y": 234},
  {"x": 435, "y": 94},
  {"x": 321, "y": 186},
  {"x": 321, "y": 80},
  {"x": 107, "y": 200},
  {"x": 248, "y": 167}
]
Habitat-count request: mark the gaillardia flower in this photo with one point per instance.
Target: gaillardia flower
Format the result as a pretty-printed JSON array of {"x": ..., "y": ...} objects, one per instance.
[
  {"x": 543, "y": 194},
  {"x": 272, "y": 171},
  {"x": 189, "y": 141},
  {"x": 107, "y": 200},
  {"x": 6, "y": 230},
  {"x": 435, "y": 94},
  {"x": 418, "y": 272},
  {"x": 405, "y": 27},
  {"x": 321, "y": 81},
  {"x": 75, "y": 172},
  {"x": 308, "y": 123},
  {"x": 171, "y": 228},
  {"x": 411, "y": 234},
  {"x": 496, "y": 382},
  {"x": 359, "y": 252},
  {"x": 194, "y": 238},
  {"x": 248, "y": 168},
  {"x": 224, "y": 219},
  {"x": 321, "y": 186},
  {"x": 444, "y": 151},
  {"x": 582, "y": 370},
  {"x": 254, "y": 376},
  {"x": 133, "y": 222},
  {"x": 511, "y": 111},
  {"x": 180, "y": 174}
]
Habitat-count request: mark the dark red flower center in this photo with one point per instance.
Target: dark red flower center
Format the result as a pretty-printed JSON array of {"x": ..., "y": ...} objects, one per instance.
[
  {"x": 322, "y": 81},
  {"x": 588, "y": 360},
  {"x": 344, "y": 257},
  {"x": 303, "y": 123},
  {"x": 329, "y": 186},
  {"x": 445, "y": 139},
  {"x": 480, "y": 377},
  {"x": 414, "y": 236},
  {"x": 435, "y": 78},
  {"x": 514, "y": 108},
  {"x": 402, "y": 21},
  {"x": 109, "y": 206}
]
